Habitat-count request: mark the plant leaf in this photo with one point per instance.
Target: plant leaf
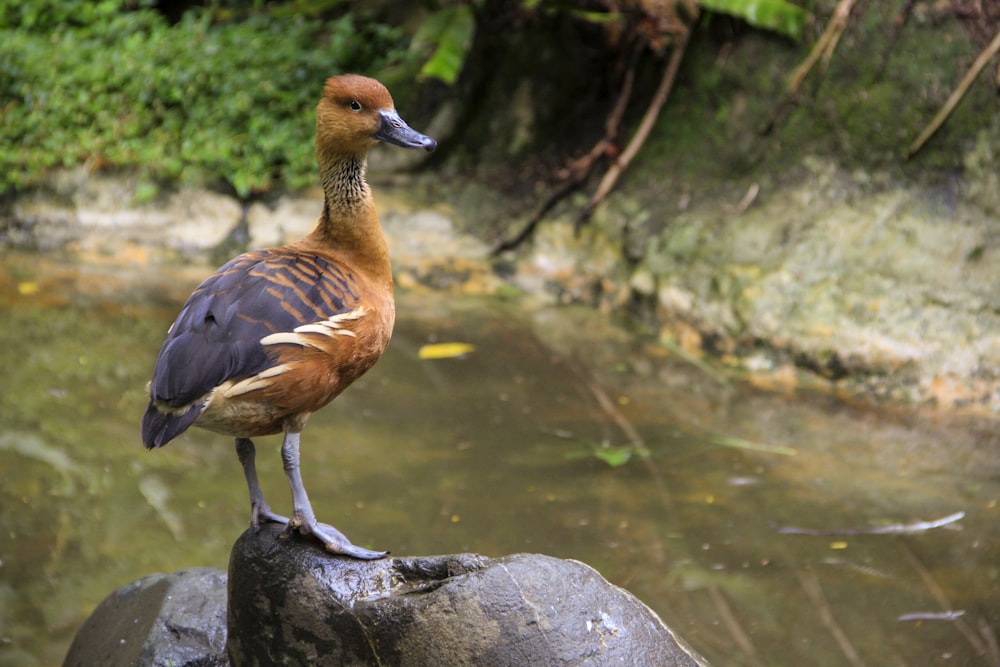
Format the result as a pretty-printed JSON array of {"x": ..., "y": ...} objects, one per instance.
[
  {"x": 777, "y": 15},
  {"x": 450, "y": 29},
  {"x": 31, "y": 446},
  {"x": 613, "y": 456}
]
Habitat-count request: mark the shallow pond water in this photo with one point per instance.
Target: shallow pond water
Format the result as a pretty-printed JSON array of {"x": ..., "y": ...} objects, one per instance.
[{"x": 559, "y": 433}]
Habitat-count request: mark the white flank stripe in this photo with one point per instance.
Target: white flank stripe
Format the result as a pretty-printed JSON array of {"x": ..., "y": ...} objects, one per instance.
[
  {"x": 284, "y": 337},
  {"x": 333, "y": 326},
  {"x": 318, "y": 328},
  {"x": 258, "y": 381}
]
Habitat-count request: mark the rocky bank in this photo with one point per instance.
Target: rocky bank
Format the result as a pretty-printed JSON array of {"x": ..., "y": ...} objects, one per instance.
[{"x": 840, "y": 281}]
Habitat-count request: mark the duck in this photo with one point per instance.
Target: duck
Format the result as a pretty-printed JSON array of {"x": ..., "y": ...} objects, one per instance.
[{"x": 276, "y": 334}]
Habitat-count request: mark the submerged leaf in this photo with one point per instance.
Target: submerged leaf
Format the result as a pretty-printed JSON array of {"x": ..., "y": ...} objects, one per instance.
[
  {"x": 739, "y": 443},
  {"x": 613, "y": 455},
  {"x": 445, "y": 350},
  {"x": 157, "y": 494},
  {"x": 31, "y": 446}
]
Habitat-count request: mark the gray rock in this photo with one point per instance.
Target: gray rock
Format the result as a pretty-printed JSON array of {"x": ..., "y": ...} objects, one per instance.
[
  {"x": 290, "y": 602},
  {"x": 106, "y": 213},
  {"x": 283, "y": 221},
  {"x": 176, "y": 620}
]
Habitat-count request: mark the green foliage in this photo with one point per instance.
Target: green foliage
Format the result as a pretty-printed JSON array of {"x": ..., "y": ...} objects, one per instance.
[
  {"x": 111, "y": 82},
  {"x": 449, "y": 31},
  {"x": 197, "y": 101},
  {"x": 44, "y": 15},
  {"x": 777, "y": 15}
]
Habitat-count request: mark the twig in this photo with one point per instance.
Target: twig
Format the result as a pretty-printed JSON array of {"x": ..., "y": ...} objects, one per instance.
[
  {"x": 980, "y": 62},
  {"x": 577, "y": 171},
  {"x": 897, "y": 29},
  {"x": 616, "y": 415},
  {"x": 638, "y": 444},
  {"x": 642, "y": 132},
  {"x": 696, "y": 361},
  {"x": 824, "y": 47},
  {"x": 529, "y": 228},
  {"x": 950, "y": 615},
  {"x": 736, "y": 630},
  {"x": 938, "y": 593},
  {"x": 748, "y": 199},
  {"x": 990, "y": 638},
  {"x": 893, "y": 529},
  {"x": 810, "y": 584},
  {"x": 863, "y": 568},
  {"x": 614, "y": 119}
]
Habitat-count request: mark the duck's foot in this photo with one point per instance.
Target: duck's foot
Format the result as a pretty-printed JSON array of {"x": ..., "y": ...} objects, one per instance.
[
  {"x": 332, "y": 539},
  {"x": 265, "y": 515},
  {"x": 304, "y": 519}
]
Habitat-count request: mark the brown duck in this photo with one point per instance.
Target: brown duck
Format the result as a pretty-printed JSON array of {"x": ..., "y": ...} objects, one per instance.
[{"x": 276, "y": 334}]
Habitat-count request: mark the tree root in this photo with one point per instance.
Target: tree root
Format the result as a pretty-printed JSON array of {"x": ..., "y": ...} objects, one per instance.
[
  {"x": 824, "y": 48},
  {"x": 642, "y": 132},
  {"x": 576, "y": 173},
  {"x": 827, "y": 44}
]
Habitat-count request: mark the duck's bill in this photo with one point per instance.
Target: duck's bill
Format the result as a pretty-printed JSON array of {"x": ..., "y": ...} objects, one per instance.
[{"x": 394, "y": 130}]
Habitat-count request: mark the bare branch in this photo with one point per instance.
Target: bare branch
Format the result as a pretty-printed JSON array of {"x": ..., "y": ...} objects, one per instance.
[
  {"x": 977, "y": 66},
  {"x": 645, "y": 126}
]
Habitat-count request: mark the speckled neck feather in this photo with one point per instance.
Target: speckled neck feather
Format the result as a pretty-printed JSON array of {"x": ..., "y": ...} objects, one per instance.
[{"x": 345, "y": 188}]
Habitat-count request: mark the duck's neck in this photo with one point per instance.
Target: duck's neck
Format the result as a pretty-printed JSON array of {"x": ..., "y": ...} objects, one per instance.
[
  {"x": 345, "y": 186},
  {"x": 349, "y": 225}
]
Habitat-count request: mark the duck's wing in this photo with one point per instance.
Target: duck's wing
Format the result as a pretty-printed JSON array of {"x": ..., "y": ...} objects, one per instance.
[{"x": 217, "y": 335}]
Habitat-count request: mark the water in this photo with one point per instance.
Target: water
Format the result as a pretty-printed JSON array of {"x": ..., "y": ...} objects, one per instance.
[{"x": 559, "y": 434}]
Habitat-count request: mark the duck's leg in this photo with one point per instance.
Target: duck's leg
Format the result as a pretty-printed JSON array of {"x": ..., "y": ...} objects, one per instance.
[
  {"x": 259, "y": 509},
  {"x": 303, "y": 519}
]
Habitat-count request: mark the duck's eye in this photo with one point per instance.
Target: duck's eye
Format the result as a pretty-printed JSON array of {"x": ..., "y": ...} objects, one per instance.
[{"x": 355, "y": 105}]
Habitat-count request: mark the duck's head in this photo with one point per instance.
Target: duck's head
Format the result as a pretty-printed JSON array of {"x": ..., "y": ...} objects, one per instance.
[{"x": 356, "y": 112}]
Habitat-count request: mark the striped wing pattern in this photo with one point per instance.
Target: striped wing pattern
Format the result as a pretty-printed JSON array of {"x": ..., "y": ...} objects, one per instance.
[{"x": 217, "y": 336}]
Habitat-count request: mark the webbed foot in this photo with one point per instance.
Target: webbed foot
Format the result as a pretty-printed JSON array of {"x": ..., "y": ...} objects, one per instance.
[
  {"x": 264, "y": 514},
  {"x": 334, "y": 540}
]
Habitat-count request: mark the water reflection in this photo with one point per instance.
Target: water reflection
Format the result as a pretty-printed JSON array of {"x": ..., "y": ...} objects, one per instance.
[{"x": 559, "y": 434}]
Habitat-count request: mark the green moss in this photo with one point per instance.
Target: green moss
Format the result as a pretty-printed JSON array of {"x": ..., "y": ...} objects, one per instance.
[{"x": 863, "y": 110}]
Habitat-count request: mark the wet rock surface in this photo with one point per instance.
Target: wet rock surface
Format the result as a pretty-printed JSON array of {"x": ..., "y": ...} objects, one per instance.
[
  {"x": 174, "y": 619},
  {"x": 290, "y": 602},
  {"x": 290, "y": 599}
]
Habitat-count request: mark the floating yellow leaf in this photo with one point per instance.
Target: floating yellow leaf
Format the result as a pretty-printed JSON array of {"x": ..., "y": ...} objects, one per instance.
[
  {"x": 27, "y": 288},
  {"x": 445, "y": 350}
]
